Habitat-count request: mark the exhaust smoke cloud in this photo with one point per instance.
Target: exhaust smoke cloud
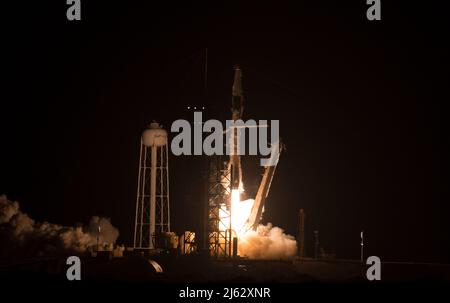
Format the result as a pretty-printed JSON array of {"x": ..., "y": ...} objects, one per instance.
[
  {"x": 20, "y": 235},
  {"x": 267, "y": 242}
]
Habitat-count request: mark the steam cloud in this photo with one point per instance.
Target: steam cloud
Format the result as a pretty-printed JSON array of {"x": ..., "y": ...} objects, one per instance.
[
  {"x": 267, "y": 242},
  {"x": 22, "y": 236}
]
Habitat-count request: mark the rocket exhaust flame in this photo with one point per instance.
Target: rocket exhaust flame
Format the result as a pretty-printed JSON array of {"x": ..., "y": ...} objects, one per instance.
[{"x": 240, "y": 211}]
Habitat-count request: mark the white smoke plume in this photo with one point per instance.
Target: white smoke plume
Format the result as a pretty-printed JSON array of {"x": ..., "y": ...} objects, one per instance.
[
  {"x": 267, "y": 242},
  {"x": 22, "y": 236}
]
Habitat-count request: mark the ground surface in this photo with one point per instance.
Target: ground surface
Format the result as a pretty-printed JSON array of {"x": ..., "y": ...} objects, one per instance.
[{"x": 201, "y": 270}]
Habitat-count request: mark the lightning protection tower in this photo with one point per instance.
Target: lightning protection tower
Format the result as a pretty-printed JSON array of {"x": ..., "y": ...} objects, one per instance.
[{"x": 152, "y": 202}]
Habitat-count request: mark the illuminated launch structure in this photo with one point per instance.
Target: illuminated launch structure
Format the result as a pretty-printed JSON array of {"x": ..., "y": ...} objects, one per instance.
[
  {"x": 152, "y": 202},
  {"x": 219, "y": 208}
]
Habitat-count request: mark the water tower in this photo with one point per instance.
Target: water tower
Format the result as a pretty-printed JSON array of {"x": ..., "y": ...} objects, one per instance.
[{"x": 152, "y": 202}]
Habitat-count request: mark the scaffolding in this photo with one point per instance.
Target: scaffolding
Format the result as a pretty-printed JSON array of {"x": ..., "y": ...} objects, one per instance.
[{"x": 219, "y": 208}]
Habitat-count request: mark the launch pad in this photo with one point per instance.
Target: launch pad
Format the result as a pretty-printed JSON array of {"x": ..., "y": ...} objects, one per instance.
[{"x": 227, "y": 218}]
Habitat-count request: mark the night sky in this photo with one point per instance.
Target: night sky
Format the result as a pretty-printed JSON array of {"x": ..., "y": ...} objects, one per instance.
[{"x": 360, "y": 106}]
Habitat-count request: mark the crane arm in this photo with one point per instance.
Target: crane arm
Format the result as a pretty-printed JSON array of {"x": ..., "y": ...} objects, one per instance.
[{"x": 263, "y": 191}]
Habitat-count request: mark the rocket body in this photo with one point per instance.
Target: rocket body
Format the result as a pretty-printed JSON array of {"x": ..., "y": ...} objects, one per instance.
[{"x": 237, "y": 108}]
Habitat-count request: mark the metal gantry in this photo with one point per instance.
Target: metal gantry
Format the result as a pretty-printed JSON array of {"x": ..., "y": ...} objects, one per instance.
[{"x": 219, "y": 208}]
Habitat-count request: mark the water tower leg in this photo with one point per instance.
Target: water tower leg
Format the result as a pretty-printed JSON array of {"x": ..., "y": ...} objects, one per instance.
[{"x": 153, "y": 197}]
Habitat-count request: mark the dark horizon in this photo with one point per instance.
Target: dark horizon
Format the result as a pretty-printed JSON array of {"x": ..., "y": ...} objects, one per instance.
[{"x": 360, "y": 106}]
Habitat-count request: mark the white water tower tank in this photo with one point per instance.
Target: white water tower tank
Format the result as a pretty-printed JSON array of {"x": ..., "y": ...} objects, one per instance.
[{"x": 154, "y": 135}]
